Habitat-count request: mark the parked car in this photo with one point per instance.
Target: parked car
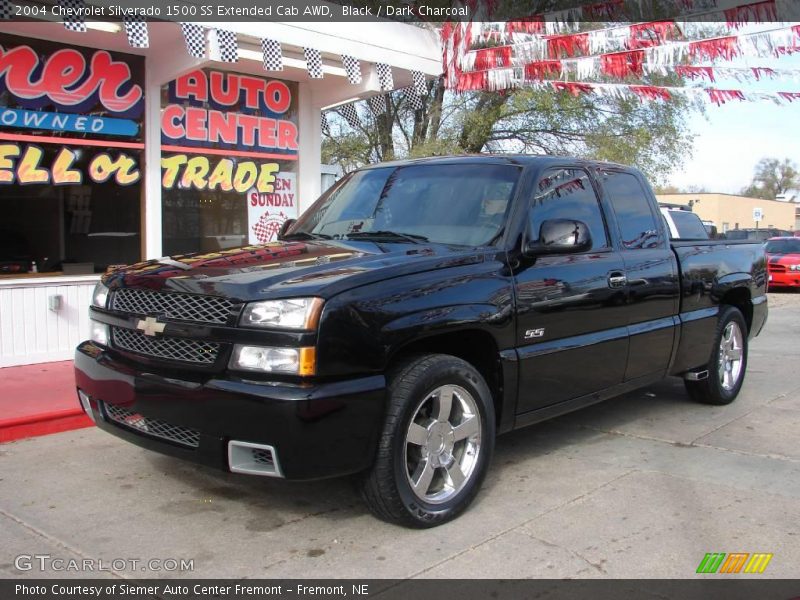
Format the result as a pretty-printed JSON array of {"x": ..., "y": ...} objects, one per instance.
[
  {"x": 783, "y": 262},
  {"x": 755, "y": 234},
  {"x": 683, "y": 224},
  {"x": 417, "y": 310}
]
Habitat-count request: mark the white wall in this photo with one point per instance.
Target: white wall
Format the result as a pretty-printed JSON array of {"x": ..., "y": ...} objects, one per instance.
[{"x": 30, "y": 332}]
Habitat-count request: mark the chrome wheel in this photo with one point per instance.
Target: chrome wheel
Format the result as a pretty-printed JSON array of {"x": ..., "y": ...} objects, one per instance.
[
  {"x": 729, "y": 367},
  {"x": 443, "y": 442}
]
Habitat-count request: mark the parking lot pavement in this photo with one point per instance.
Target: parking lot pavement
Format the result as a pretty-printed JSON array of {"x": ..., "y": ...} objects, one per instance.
[{"x": 640, "y": 486}]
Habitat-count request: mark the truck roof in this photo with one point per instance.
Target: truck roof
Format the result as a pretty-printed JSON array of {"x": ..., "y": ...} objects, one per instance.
[{"x": 522, "y": 160}]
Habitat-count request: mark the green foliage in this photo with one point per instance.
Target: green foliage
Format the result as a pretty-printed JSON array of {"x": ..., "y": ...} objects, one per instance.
[
  {"x": 772, "y": 178},
  {"x": 651, "y": 135}
]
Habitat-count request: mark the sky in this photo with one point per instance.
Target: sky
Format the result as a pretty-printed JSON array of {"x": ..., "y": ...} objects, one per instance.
[{"x": 732, "y": 138}]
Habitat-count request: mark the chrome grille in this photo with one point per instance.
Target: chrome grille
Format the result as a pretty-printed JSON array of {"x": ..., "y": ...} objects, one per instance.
[
  {"x": 186, "y": 307},
  {"x": 170, "y": 348},
  {"x": 185, "y": 436}
]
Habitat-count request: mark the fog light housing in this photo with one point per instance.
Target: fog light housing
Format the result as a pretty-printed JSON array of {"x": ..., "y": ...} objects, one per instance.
[
  {"x": 266, "y": 359},
  {"x": 98, "y": 332},
  {"x": 87, "y": 406}
]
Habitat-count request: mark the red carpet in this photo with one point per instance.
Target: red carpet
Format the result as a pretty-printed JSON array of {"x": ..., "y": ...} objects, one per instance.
[{"x": 37, "y": 400}]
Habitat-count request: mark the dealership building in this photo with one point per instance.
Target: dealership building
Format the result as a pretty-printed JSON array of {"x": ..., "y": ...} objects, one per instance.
[{"x": 124, "y": 141}]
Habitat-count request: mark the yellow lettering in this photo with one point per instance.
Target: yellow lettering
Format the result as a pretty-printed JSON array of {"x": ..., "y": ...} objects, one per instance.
[
  {"x": 28, "y": 170},
  {"x": 266, "y": 177},
  {"x": 222, "y": 176},
  {"x": 195, "y": 172},
  {"x": 123, "y": 169},
  {"x": 245, "y": 178},
  {"x": 171, "y": 167},
  {"x": 7, "y": 153},
  {"x": 62, "y": 174}
]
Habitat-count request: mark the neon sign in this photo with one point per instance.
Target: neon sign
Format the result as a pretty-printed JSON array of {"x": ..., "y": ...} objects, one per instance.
[
  {"x": 66, "y": 80},
  {"x": 258, "y": 127}
]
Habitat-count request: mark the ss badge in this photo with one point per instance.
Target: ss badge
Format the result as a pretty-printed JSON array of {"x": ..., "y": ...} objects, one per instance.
[{"x": 534, "y": 333}]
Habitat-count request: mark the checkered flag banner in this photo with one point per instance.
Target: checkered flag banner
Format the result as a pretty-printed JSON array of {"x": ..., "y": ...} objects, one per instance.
[
  {"x": 326, "y": 128},
  {"x": 353, "y": 68},
  {"x": 6, "y": 12},
  {"x": 273, "y": 56},
  {"x": 74, "y": 19},
  {"x": 136, "y": 30},
  {"x": 313, "y": 62},
  {"x": 227, "y": 46},
  {"x": 419, "y": 83},
  {"x": 413, "y": 98},
  {"x": 350, "y": 114},
  {"x": 385, "y": 76},
  {"x": 377, "y": 104},
  {"x": 195, "y": 38}
]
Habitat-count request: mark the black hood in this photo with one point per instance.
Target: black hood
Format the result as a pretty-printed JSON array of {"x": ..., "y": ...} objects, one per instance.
[{"x": 289, "y": 269}]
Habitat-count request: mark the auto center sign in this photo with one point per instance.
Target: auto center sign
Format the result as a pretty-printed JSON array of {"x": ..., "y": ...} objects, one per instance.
[{"x": 245, "y": 115}]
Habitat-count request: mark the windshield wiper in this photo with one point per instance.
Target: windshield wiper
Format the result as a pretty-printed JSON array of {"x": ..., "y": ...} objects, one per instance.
[
  {"x": 385, "y": 234},
  {"x": 306, "y": 235}
]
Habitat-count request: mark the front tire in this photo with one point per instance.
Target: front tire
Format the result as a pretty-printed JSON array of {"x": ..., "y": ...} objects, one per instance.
[
  {"x": 436, "y": 444},
  {"x": 728, "y": 362}
]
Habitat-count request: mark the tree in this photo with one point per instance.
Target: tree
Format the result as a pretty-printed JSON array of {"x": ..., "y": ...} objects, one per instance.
[{"x": 772, "y": 178}]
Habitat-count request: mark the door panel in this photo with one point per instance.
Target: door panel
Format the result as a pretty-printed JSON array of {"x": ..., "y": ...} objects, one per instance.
[{"x": 579, "y": 322}]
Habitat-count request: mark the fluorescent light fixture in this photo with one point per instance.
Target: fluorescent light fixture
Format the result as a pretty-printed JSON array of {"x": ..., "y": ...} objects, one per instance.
[
  {"x": 294, "y": 63},
  {"x": 341, "y": 102}
]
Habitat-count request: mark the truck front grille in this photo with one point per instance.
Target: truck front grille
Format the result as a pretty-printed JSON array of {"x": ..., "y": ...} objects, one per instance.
[
  {"x": 168, "y": 348},
  {"x": 185, "y": 307},
  {"x": 777, "y": 268},
  {"x": 185, "y": 436}
]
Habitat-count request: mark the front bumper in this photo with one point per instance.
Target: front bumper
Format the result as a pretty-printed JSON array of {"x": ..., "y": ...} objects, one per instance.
[
  {"x": 316, "y": 430},
  {"x": 787, "y": 279}
]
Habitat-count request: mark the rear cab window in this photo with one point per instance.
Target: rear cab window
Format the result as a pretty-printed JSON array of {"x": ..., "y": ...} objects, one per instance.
[
  {"x": 689, "y": 225},
  {"x": 638, "y": 226}
]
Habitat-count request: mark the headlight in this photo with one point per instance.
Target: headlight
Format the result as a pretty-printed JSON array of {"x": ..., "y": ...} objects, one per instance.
[
  {"x": 294, "y": 313},
  {"x": 98, "y": 332},
  {"x": 290, "y": 361},
  {"x": 100, "y": 296},
  {"x": 794, "y": 267}
]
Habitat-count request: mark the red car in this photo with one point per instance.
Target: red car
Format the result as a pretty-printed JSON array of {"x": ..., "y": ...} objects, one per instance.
[{"x": 783, "y": 261}]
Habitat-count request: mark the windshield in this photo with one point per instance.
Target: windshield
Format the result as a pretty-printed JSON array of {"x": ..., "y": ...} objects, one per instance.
[
  {"x": 455, "y": 204},
  {"x": 784, "y": 246}
]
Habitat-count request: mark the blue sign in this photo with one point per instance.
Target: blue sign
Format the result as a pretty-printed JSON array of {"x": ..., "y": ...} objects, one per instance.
[{"x": 30, "y": 119}]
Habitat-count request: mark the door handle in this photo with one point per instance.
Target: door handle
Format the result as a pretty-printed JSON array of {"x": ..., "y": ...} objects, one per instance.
[{"x": 617, "y": 279}]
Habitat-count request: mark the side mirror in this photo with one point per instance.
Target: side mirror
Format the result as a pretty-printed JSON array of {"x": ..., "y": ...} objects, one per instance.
[
  {"x": 560, "y": 236},
  {"x": 285, "y": 227}
]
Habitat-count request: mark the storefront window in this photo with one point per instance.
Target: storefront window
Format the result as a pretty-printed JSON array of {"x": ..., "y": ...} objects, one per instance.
[
  {"x": 70, "y": 155},
  {"x": 229, "y": 155}
]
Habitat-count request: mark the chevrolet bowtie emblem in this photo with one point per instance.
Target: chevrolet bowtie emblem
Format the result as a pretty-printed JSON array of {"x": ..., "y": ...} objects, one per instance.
[{"x": 150, "y": 326}]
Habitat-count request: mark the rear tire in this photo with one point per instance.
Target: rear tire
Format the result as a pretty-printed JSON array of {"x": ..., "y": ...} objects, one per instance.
[
  {"x": 436, "y": 444},
  {"x": 728, "y": 363}
]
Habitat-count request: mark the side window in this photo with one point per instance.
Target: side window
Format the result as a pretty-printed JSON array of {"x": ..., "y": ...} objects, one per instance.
[
  {"x": 567, "y": 194},
  {"x": 637, "y": 224}
]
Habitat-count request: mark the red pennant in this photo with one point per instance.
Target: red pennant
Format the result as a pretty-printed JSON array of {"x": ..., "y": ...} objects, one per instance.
[
  {"x": 760, "y": 12},
  {"x": 759, "y": 72},
  {"x": 649, "y": 92},
  {"x": 534, "y": 24},
  {"x": 724, "y": 47},
  {"x": 572, "y": 45},
  {"x": 790, "y": 96},
  {"x": 491, "y": 58},
  {"x": 622, "y": 64},
  {"x": 720, "y": 97},
  {"x": 645, "y": 35},
  {"x": 468, "y": 82},
  {"x": 576, "y": 89},
  {"x": 695, "y": 72},
  {"x": 542, "y": 69}
]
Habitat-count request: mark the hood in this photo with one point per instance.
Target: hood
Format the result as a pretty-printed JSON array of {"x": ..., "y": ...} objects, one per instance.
[{"x": 287, "y": 269}]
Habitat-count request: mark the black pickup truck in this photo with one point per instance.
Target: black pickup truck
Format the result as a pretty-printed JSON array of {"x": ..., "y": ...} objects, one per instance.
[{"x": 417, "y": 310}]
